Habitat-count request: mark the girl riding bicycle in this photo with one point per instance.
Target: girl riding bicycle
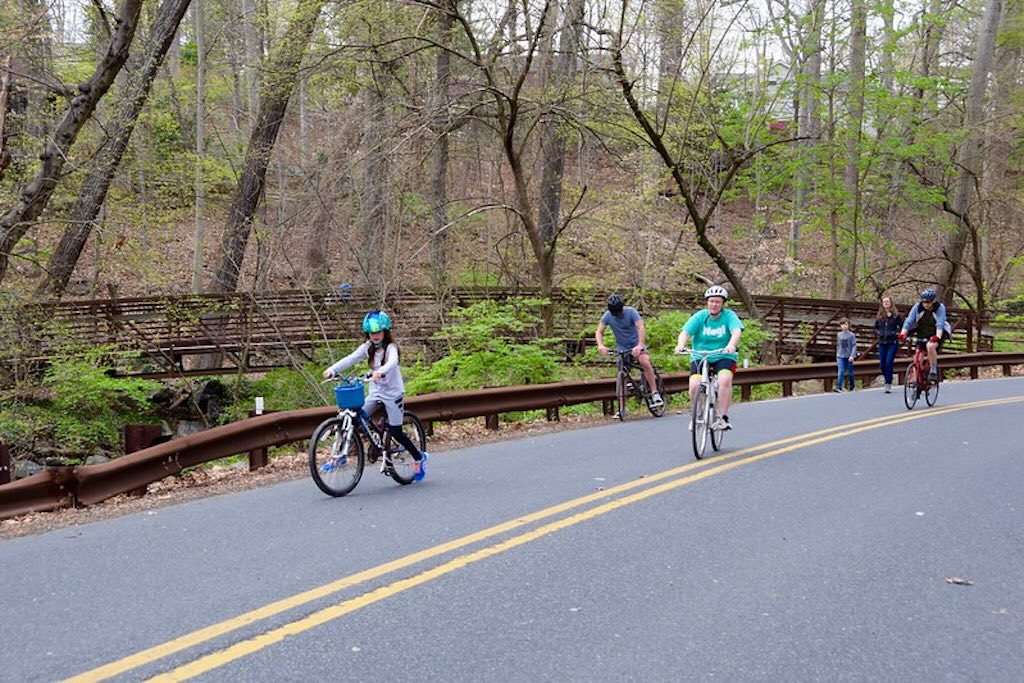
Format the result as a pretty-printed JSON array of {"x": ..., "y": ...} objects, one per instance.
[{"x": 386, "y": 386}]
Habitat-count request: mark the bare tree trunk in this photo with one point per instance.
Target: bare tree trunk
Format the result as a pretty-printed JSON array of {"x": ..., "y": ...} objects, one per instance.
[
  {"x": 671, "y": 17},
  {"x": 253, "y": 57},
  {"x": 33, "y": 198},
  {"x": 440, "y": 113},
  {"x": 999, "y": 180},
  {"x": 934, "y": 27},
  {"x": 5, "y": 89},
  {"x": 855, "y": 106},
  {"x": 39, "y": 53},
  {"x": 700, "y": 218},
  {"x": 105, "y": 163},
  {"x": 199, "y": 232},
  {"x": 278, "y": 84},
  {"x": 969, "y": 160},
  {"x": 553, "y": 145},
  {"x": 374, "y": 210},
  {"x": 808, "y": 123}
]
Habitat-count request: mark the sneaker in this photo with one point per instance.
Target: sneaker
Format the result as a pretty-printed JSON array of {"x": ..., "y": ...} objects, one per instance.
[
  {"x": 420, "y": 467},
  {"x": 656, "y": 399},
  {"x": 837, "y": 390},
  {"x": 933, "y": 377},
  {"x": 721, "y": 424},
  {"x": 888, "y": 388},
  {"x": 334, "y": 464}
]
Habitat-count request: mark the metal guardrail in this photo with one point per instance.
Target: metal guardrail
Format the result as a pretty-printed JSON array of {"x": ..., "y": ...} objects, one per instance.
[{"x": 89, "y": 484}]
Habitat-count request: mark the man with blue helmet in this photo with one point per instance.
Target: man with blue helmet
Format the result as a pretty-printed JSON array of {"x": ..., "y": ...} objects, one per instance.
[
  {"x": 386, "y": 386},
  {"x": 927, "y": 320}
]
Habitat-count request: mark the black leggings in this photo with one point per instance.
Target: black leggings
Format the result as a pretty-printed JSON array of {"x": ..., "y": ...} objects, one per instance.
[{"x": 398, "y": 435}]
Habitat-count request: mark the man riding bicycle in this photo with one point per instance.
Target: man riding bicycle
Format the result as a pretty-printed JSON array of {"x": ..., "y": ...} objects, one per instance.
[
  {"x": 629, "y": 330},
  {"x": 927, "y": 320},
  {"x": 712, "y": 329}
]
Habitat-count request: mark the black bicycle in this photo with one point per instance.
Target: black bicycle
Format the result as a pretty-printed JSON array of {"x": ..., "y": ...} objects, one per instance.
[
  {"x": 337, "y": 453},
  {"x": 627, "y": 385}
]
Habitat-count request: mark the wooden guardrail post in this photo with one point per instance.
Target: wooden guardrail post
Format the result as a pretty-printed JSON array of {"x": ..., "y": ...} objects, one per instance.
[
  {"x": 139, "y": 437},
  {"x": 259, "y": 456},
  {"x": 5, "y": 464},
  {"x": 552, "y": 414},
  {"x": 491, "y": 421}
]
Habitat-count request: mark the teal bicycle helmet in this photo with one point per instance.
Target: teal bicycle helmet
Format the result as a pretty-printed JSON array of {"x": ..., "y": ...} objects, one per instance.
[{"x": 376, "y": 321}]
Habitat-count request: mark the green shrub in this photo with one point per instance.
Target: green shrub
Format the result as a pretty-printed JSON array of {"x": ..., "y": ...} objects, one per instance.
[
  {"x": 81, "y": 406},
  {"x": 90, "y": 407},
  {"x": 489, "y": 344}
]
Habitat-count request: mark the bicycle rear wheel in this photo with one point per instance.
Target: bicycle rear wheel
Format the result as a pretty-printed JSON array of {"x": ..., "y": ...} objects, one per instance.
[
  {"x": 659, "y": 409},
  {"x": 402, "y": 465},
  {"x": 336, "y": 457},
  {"x": 699, "y": 422},
  {"x": 910, "y": 390}
]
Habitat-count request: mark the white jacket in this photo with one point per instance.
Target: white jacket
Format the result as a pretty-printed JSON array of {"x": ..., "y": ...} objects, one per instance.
[{"x": 390, "y": 386}]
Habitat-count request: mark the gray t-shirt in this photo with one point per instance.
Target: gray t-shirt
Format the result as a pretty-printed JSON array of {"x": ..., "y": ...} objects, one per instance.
[
  {"x": 846, "y": 344},
  {"x": 624, "y": 327}
]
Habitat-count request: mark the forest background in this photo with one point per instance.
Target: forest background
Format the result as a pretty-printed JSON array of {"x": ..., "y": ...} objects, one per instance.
[{"x": 814, "y": 148}]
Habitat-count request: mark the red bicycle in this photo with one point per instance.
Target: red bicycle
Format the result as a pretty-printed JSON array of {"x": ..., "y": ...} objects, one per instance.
[{"x": 916, "y": 381}]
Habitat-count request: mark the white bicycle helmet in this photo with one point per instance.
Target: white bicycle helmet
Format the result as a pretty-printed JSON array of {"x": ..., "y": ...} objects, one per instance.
[{"x": 716, "y": 290}]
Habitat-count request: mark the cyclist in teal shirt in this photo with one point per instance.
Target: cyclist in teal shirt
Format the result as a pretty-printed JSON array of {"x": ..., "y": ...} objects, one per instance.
[{"x": 711, "y": 329}]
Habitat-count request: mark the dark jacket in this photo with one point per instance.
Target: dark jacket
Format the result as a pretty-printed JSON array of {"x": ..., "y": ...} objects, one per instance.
[{"x": 888, "y": 328}]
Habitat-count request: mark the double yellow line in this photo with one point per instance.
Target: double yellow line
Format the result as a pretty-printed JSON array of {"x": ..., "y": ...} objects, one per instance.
[{"x": 650, "y": 486}]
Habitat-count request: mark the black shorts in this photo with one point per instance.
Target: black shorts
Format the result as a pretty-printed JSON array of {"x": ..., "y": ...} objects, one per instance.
[
  {"x": 922, "y": 342},
  {"x": 719, "y": 365}
]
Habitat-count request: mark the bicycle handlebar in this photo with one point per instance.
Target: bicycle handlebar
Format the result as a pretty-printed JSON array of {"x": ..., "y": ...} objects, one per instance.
[
  {"x": 690, "y": 352},
  {"x": 365, "y": 377}
]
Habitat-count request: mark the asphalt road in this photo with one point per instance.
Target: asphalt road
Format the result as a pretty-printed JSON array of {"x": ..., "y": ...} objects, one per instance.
[{"x": 819, "y": 545}]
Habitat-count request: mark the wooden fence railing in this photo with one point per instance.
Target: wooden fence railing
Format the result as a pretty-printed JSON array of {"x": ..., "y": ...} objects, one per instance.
[{"x": 252, "y": 331}]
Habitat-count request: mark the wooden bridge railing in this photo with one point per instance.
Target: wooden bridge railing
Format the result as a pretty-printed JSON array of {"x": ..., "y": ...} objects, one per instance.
[{"x": 260, "y": 330}]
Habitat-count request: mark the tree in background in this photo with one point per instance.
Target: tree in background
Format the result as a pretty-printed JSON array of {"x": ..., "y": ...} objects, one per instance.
[{"x": 34, "y": 197}]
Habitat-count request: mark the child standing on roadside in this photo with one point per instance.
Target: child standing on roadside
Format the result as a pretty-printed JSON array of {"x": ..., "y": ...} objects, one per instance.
[{"x": 846, "y": 353}]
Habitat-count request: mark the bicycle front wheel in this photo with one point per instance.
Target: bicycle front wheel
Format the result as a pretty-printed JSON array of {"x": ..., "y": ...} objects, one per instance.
[
  {"x": 931, "y": 393},
  {"x": 657, "y": 410},
  {"x": 717, "y": 435},
  {"x": 336, "y": 457},
  {"x": 910, "y": 390},
  {"x": 621, "y": 394},
  {"x": 699, "y": 422},
  {"x": 401, "y": 465}
]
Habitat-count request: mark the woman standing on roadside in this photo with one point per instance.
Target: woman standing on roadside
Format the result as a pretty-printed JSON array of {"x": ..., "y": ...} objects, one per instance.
[{"x": 888, "y": 323}]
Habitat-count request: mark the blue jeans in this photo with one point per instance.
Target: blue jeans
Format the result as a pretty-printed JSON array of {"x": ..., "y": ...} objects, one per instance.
[
  {"x": 886, "y": 359},
  {"x": 845, "y": 368}
]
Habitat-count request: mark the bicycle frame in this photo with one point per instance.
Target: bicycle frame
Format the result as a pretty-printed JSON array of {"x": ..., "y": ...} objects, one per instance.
[
  {"x": 626, "y": 384},
  {"x": 351, "y": 419},
  {"x": 916, "y": 379},
  {"x": 704, "y": 411}
]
